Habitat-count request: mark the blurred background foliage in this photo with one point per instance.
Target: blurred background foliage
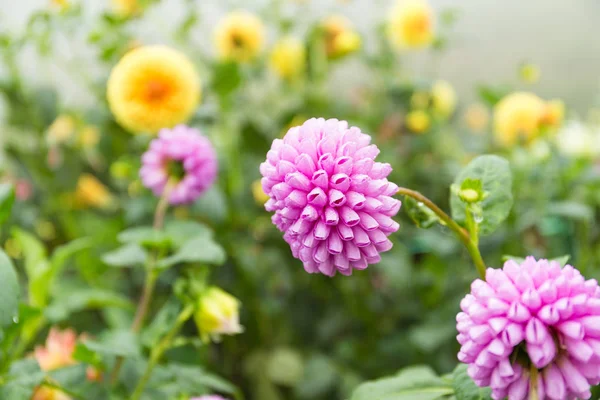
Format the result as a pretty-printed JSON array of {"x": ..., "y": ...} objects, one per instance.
[{"x": 306, "y": 336}]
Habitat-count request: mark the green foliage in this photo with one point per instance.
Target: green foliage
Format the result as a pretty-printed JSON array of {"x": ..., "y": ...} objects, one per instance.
[
  {"x": 495, "y": 179},
  {"x": 9, "y": 291},
  {"x": 465, "y": 388},
  {"x": 7, "y": 199},
  {"x": 414, "y": 383}
]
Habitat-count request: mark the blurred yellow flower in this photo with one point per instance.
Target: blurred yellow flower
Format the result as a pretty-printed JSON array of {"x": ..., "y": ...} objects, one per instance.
[
  {"x": 60, "y": 4},
  {"x": 239, "y": 36},
  {"x": 89, "y": 136},
  {"x": 340, "y": 37},
  {"x": 13, "y": 248},
  {"x": 418, "y": 121},
  {"x": 90, "y": 192},
  {"x": 517, "y": 117},
  {"x": 477, "y": 117},
  {"x": 217, "y": 314},
  {"x": 554, "y": 114},
  {"x": 420, "y": 100},
  {"x": 49, "y": 393},
  {"x": 529, "y": 73},
  {"x": 443, "y": 97},
  {"x": 411, "y": 24},
  {"x": 288, "y": 58},
  {"x": 45, "y": 229},
  {"x": 259, "y": 194},
  {"x": 126, "y": 8},
  {"x": 61, "y": 129},
  {"x": 153, "y": 87}
]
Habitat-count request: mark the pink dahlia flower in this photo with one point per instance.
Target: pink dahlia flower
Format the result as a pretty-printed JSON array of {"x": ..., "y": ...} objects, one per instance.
[
  {"x": 183, "y": 159},
  {"x": 530, "y": 327},
  {"x": 330, "y": 198}
]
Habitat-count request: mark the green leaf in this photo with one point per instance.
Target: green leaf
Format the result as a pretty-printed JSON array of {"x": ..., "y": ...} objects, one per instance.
[
  {"x": 181, "y": 231},
  {"x": 285, "y": 367},
  {"x": 87, "y": 356},
  {"x": 562, "y": 260},
  {"x": 465, "y": 388},
  {"x": 200, "y": 249},
  {"x": 227, "y": 78},
  {"x": 145, "y": 236},
  {"x": 191, "y": 377},
  {"x": 9, "y": 291},
  {"x": 7, "y": 199},
  {"x": 83, "y": 299},
  {"x": 162, "y": 322},
  {"x": 61, "y": 255},
  {"x": 320, "y": 375},
  {"x": 116, "y": 343},
  {"x": 23, "y": 377},
  {"x": 496, "y": 179},
  {"x": 128, "y": 255},
  {"x": 516, "y": 259},
  {"x": 420, "y": 214},
  {"x": 571, "y": 209},
  {"x": 492, "y": 95},
  {"x": 37, "y": 266},
  {"x": 413, "y": 383}
]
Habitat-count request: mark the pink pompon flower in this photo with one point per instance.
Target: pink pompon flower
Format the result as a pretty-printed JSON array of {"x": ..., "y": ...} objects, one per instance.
[
  {"x": 533, "y": 326},
  {"x": 182, "y": 159},
  {"x": 331, "y": 198}
]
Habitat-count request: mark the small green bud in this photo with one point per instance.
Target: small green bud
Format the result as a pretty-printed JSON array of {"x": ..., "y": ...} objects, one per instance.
[{"x": 469, "y": 195}]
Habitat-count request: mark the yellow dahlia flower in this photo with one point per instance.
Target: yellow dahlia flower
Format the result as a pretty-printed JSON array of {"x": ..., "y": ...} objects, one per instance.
[
  {"x": 153, "y": 87},
  {"x": 411, "y": 24},
  {"x": 443, "y": 98},
  {"x": 92, "y": 193},
  {"x": 126, "y": 8},
  {"x": 517, "y": 117},
  {"x": 239, "y": 36},
  {"x": 288, "y": 58},
  {"x": 418, "y": 121},
  {"x": 340, "y": 38}
]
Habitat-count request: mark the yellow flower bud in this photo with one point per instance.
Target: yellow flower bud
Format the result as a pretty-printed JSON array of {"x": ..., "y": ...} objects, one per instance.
[
  {"x": 340, "y": 38},
  {"x": 345, "y": 43},
  {"x": 444, "y": 99},
  {"x": 418, "y": 121},
  {"x": 288, "y": 58},
  {"x": 90, "y": 192},
  {"x": 126, "y": 8},
  {"x": 89, "y": 136},
  {"x": 217, "y": 314},
  {"x": 61, "y": 129},
  {"x": 529, "y": 73},
  {"x": 239, "y": 36}
]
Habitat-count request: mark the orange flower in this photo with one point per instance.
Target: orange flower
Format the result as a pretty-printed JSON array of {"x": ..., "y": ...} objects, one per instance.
[{"x": 58, "y": 351}]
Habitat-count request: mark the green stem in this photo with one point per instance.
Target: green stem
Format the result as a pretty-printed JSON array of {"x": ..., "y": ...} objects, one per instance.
[
  {"x": 472, "y": 226},
  {"x": 159, "y": 350},
  {"x": 460, "y": 232},
  {"x": 151, "y": 277}
]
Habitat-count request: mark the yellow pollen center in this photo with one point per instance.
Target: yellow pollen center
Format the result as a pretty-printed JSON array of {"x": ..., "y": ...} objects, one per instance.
[{"x": 156, "y": 90}]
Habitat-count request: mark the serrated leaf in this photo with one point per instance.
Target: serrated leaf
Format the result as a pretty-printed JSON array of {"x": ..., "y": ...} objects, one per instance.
[
  {"x": 465, "y": 388},
  {"x": 128, "y": 255},
  {"x": 413, "y": 383},
  {"x": 9, "y": 291},
  {"x": 496, "y": 179}
]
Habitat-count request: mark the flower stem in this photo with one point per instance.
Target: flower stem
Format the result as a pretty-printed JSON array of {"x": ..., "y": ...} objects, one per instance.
[
  {"x": 463, "y": 235},
  {"x": 160, "y": 349},
  {"x": 151, "y": 277}
]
